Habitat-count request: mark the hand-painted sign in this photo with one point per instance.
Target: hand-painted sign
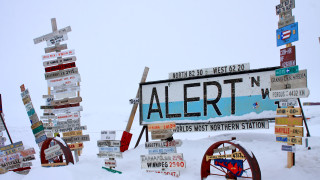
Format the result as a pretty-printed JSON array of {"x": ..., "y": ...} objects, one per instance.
[
  {"x": 69, "y": 123},
  {"x": 291, "y": 81},
  {"x": 67, "y": 110},
  {"x": 222, "y": 126},
  {"x": 227, "y": 148},
  {"x": 168, "y": 125},
  {"x": 56, "y": 48},
  {"x": 287, "y": 34},
  {"x": 294, "y": 121},
  {"x": 59, "y": 61},
  {"x": 109, "y": 149},
  {"x": 109, "y": 143},
  {"x": 236, "y": 155},
  {"x": 175, "y": 165},
  {"x": 161, "y": 134},
  {"x": 286, "y": 21},
  {"x": 50, "y": 35},
  {"x": 41, "y": 139},
  {"x": 72, "y": 133},
  {"x": 288, "y": 57},
  {"x": 62, "y": 73},
  {"x": 108, "y": 135},
  {"x": 289, "y": 93},
  {"x": 285, "y": 6},
  {"x": 210, "y": 71},
  {"x": 38, "y": 129},
  {"x": 287, "y": 70},
  {"x": 58, "y": 54},
  {"x": 66, "y": 101},
  {"x": 72, "y": 139},
  {"x": 288, "y": 102},
  {"x": 291, "y": 131},
  {"x": 233, "y": 166},
  {"x": 75, "y": 146},
  {"x": 71, "y": 116},
  {"x": 60, "y": 67},
  {"x": 134, "y": 101},
  {"x": 289, "y": 111},
  {"x": 207, "y": 99},
  {"x": 110, "y": 163},
  {"x": 57, "y": 39},
  {"x": 109, "y": 155},
  {"x": 67, "y": 89},
  {"x": 71, "y": 129},
  {"x": 171, "y": 173},
  {"x": 64, "y": 80},
  {"x": 163, "y": 150},
  {"x": 161, "y": 144},
  {"x": 162, "y": 157},
  {"x": 291, "y": 140},
  {"x": 288, "y": 148},
  {"x": 11, "y": 146},
  {"x": 35, "y": 125}
]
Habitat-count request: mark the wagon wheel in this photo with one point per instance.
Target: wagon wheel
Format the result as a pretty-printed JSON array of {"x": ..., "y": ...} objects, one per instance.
[
  {"x": 249, "y": 170},
  {"x": 65, "y": 149}
]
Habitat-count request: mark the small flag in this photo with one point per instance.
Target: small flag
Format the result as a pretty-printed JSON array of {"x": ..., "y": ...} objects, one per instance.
[{"x": 285, "y": 34}]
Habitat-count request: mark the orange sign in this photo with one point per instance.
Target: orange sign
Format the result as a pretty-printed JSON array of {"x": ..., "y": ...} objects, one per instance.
[
  {"x": 169, "y": 125},
  {"x": 291, "y": 131}
]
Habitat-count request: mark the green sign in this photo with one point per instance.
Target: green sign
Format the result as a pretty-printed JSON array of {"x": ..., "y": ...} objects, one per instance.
[
  {"x": 287, "y": 70},
  {"x": 38, "y": 129},
  {"x": 112, "y": 170}
]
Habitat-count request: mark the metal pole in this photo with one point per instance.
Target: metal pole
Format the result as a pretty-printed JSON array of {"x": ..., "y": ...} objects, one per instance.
[
  {"x": 304, "y": 119},
  {"x": 4, "y": 124}
]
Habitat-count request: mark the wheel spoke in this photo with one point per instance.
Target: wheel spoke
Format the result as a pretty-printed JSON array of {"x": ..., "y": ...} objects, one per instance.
[
  {"x": 217, "y": 174},
  {"x": 218, "y": 169}
]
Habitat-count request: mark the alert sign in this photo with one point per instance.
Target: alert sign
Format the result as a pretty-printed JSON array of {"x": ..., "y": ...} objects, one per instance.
[{"x": 213, "y": 98}]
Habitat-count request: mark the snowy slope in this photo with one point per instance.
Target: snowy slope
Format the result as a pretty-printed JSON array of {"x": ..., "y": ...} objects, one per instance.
[{"x": 262, "y": 143}]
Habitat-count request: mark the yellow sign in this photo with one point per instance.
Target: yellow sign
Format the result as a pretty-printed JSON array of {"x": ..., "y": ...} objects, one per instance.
[
  {"x": 35, "y": 125},
  {"x": 26, "y": 100},
  {"x": 291, "y": 131},
  {"x": 72, "y": 133},
  {"x": 236, "y": 155},
  {"x": 294, "y": 121},
  {"x": 289, "y": 111}
]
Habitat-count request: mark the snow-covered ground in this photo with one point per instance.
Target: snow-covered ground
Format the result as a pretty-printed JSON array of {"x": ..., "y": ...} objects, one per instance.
[{"x": 262, "y": 143}]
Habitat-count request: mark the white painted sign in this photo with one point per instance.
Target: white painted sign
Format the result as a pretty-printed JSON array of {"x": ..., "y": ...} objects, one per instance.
[
  {"x": 134, "y": 101},
  {"x": 210, "y": 71},
  {"x": 161, "y": 144},
  {"x": 50, "y": 35},
  {"x": 59, "y": 61},
  {"x": 57, "y": 39},
  {"x": 58, "y": 54},
  {"x": 109, "y": 149},
  {"x": 174, "y": 165},
  {"x": 163, "y": 150},
  {"x": 110, "y": 163},
  {"x": 65, "y": 90},
  {"x": 162, "y": 157},
  {"x": 109, "y": 143},
  {"x": 213, "y": 98},
  {"x": 71, "y": 116},
  {"x": 75, "y": 128},
  {"x": 64, "y": 80},
  {"x": 108, "y": 135},
  {"x": 61, "y": 73},
  {"x": 289, "y": 93},
  {"x": 290, "y": 81},
  {"x": 67, "y": 110},
  {"x": 222, "y": 126},
  {"x": 109, "y": 155},
  {"x": 288, "y": 102}
]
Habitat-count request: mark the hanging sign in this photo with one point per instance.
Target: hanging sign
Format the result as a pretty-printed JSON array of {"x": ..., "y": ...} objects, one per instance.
[{"x": 287, "y": 34}]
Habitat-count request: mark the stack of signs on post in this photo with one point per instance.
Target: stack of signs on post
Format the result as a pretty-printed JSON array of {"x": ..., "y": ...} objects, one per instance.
[
  {"x": 14, "y": 157},
  {"x": 36, "y": 125},
  {"x": 163, "y": 157},
  {"x": 109, "y": 148},
  {"x": 62, "y": 108}
]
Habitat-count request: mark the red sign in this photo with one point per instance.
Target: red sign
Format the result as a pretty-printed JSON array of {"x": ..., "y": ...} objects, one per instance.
[
  {"x": 125, "y": 141},
  {"x": 288, "y": 57},
  {"x": 60, "y": 67},
  {"x": 66, "y": 106}
]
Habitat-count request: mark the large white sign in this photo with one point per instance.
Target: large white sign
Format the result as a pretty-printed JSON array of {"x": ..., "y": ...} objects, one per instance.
[
  {"x": 64, "y": 80},
  {"x": 58, "y": 54},
  {"x": 237, "y": 96}
]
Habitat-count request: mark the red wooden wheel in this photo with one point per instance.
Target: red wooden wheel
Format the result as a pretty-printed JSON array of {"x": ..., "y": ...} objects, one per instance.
[{"x": 227, "y": 168}]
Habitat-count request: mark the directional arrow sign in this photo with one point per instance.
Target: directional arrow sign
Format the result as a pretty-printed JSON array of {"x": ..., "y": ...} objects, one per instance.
[
  {"x": 287, "y": 70},
  {"x": 236, "y": 155},
  {"x": 294, "y": 121},
  {"x": 161, "y": 134},
  {"x": 291, "y": 131},
  {"x": 289, "y": 111},
  {"x": 161, "y": 144},
  {"x": 291, "y": 140},
  {"x": 292, "y": 81},
  {"x": 289, "y": 93}
]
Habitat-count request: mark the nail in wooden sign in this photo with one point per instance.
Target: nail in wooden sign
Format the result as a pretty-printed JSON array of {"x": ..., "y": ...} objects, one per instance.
[
  {"x": 289, "y": 111},
  {"x": 291, "y": 131}
]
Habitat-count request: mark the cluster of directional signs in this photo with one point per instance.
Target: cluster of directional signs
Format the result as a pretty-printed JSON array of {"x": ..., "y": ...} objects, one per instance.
[
  {"x": 109, "y": 148},
  {"x": 288, "y": 84},
  {"x": 163, "y": 157},
  {"x": 62, "y": 108}
]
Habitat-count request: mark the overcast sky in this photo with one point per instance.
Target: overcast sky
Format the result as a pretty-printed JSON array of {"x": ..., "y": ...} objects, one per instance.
[{"x": 115, "y": 40}]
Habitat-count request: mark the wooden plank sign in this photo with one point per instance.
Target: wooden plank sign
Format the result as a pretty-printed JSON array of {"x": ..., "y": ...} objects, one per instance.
[
  {"x": 109, "y": 143},
  {"x": 291, "y": 131},
  {"x": 75, "y": 146},
  {"x": 288, "y": 57},
  {"x": 52, "y": 149},
  {"x": 289, "y": 93},
  {"x": 67, "y": 110},
  {"x": 287, "y": 34},
  {"x": 66, "y": 89},
  {"x": 168, "y": 125},
  {"x": 162, "y": 157},
  {"x": 73, "y": 139},
  {"x": 50, "y": 35},
  {"x": 61, "y": 73},
  {"x": 108, "y": 135},
  {"x": 72, "y": 133},
  {"x": 161, "y": 134},
  {"x": 161, "y": 144},
  {"x": 54, "y": 154},
  {"x": 110, "y": 163},
  {"x": 294, "y": 121},
  {"x": 75, "y": 78},
  {"x": 38, "y": 129},
  {"x": 59, "y": 61},
  {"x": 285, "y": 6},
  {"x": 174, "y": 165},
  {"x": 286, "y": 21},
  {"x": 291, "y": 140},
  {"x": 57, "y": 39},
  {"x": 56, "y": 48},
  {"x": 60, "y": 67},
  {"x": 71, "y": 129},
  {"x": 289, "y": 111},
  {"x": 35, "y": 125},
  {"x": 71, "y": 116},
  {"x": 58, "y": 54},
  {"x": 292, "y": 81},
  {"x": 288, "y": 102},
  {"x": 236, "y": 155},
  {"x": 163, "y": 150},
  {"x": 109, "y": 155}
]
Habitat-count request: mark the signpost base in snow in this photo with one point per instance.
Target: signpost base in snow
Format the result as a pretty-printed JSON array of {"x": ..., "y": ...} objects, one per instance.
[{"x": 112, "y": 170}]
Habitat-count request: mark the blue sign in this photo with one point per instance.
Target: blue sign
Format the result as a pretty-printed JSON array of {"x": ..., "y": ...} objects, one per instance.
[
  {"x": 41, "y": 139},
  {"x": 163, "y": 150},
  {"x": 287, "y": 34},
  {"x": 282, "y": 139}
]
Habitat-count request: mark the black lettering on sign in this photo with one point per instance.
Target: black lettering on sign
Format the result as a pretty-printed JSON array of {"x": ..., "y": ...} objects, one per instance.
[
  {"x": 264, "y": 93},
  {"x": 212, "y": 102},
  {"x": 233, "y": 99},
  {"x": 186, "y": 100},
  {"x": 167, "y": 106},
  {"x": 255, "y": 81},
  {"x": 158, "y": 110}
]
